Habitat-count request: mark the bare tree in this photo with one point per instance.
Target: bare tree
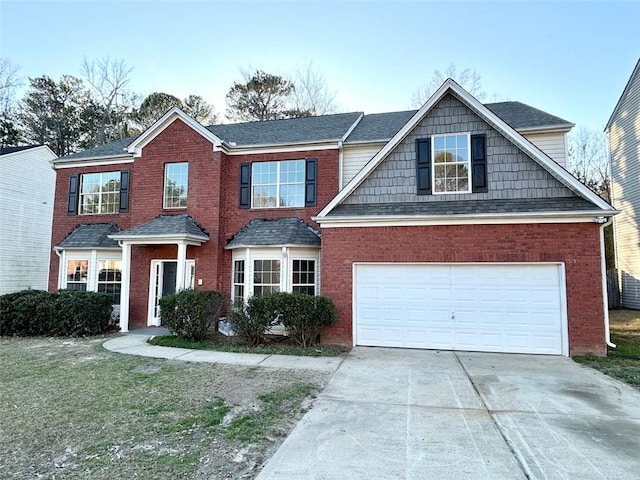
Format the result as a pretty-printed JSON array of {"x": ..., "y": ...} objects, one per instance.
[
  {"x": 588, "y": 160},
  {"x": 468, "y": 79},
  {"x": 108, "y": 81},
  {"x": 311, "y": 93},
  {"x": 10, "y": 79}
]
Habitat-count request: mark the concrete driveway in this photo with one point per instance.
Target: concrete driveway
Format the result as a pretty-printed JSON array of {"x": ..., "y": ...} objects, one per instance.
[{"x": 417, "y": 414}]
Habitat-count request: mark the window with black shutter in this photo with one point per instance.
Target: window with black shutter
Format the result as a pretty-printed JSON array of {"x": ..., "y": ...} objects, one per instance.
[
  {"x": 423, "y": 166},
  {"x": 479, "y": 164}
]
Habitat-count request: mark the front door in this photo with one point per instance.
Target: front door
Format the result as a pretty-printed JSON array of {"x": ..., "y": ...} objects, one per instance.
[{"x": 163, "y": 282}]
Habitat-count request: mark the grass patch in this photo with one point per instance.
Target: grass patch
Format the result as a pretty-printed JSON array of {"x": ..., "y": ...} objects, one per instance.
[
  {"x": 72, "y": 410},
  {"x": 215, "y": 342},
  {"x": 274, "y": 405},
  {"x": 622, "y": 362}
]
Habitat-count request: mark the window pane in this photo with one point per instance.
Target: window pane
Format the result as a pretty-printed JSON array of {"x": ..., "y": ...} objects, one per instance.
[
  {"x": 176, "y": 181},
  {"x": 100, "y": 193},
  {"x": 303, "y": 279},
  {"x": 109, "y": 278}
]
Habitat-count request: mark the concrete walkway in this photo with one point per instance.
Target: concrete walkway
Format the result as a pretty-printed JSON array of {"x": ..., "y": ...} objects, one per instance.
[
  {"x": 135, "y": 343},
  {"x": 411, "y": 414}
]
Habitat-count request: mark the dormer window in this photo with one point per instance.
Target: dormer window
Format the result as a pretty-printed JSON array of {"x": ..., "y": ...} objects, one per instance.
[{"x": 451, "y": 171}]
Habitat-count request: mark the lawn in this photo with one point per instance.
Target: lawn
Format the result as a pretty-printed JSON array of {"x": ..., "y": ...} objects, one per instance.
[
  {"x": 276, "y": 346},
  {"x": 623, "y": 362},
  {"x": 71, "y": 410}
]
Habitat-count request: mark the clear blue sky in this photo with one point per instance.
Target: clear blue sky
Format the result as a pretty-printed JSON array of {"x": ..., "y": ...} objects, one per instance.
[{"x": 571, "y": 59}]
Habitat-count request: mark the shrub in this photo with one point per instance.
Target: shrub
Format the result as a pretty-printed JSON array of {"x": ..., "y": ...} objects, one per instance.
[
  {"x": 304, "y": 316},
  {"x": 28, "y": 312},
  {"x": 79, "y": 314},
  {"x": 189, "y": 313},
  {"x": 67, "y": 313},
  {"x": 252, "y": 320}
]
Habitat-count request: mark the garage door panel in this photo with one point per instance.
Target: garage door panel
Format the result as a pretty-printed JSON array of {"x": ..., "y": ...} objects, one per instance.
[{"x": 489, "y": 307}]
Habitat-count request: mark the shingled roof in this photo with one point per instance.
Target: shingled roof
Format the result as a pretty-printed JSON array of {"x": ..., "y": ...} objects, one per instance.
[
  {"x": 91, "y": 236},
  {"x": 275, "y": 232},
  {"x": 521, "y": 116},
  {"x": 166, "y": 225}
]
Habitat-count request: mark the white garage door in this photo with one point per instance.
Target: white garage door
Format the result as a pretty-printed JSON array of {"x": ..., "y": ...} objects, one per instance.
[{"x": 479, "y": 307}]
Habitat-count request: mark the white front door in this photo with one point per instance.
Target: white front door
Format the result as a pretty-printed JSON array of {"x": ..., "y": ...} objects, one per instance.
[
  {"x": 162, "y": 281},
  {"x": 518, "y": 308}
]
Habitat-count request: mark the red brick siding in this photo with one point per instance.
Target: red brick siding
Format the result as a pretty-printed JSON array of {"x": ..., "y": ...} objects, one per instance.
[{"x": 577, "y": 245}]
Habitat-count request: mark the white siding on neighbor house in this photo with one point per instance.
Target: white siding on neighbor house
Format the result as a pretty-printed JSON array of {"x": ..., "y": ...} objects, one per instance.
[
  {"x": 624, "y": 147},
  {"x": 354, "y": 157},
  {"x": 27, "y": 184},
  {"x": 553, "y": 144}
]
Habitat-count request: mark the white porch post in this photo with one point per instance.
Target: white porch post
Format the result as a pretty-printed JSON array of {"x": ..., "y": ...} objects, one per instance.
[
  {"x": 125, "y": 287},
  {"x": 182, "y": 266}
]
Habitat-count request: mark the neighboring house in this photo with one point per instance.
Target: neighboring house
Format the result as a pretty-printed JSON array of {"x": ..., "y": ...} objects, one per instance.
[
  {"x": 445, "y": 227},
  {"x": 623, "y": 134},
  {"x": 27, "y": 184}
]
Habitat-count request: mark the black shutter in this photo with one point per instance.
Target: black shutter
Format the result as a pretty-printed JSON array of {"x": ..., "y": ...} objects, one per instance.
[
  {"x": 72, "y": 205},
  {"x": 245, "y": 185},
  {"x": 124, "y": 191},
  {"x": 310, "y": 180},
  {"x": 423, "y": 166},
  {"x": 479, "y": 164}
]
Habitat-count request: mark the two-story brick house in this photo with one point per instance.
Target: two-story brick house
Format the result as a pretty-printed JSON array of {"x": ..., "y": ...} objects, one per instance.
[{"x": 445, "y": 227}]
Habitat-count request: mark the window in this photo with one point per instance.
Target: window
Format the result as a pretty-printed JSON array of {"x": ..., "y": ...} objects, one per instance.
[
  {"x": 266, "y": 276},
  {"x": 238, "y": 281},
  {"x": 278, "y": 184},
  {"x": 304, "y": 276},
  {"x": 77, "y": 275},
  {"x": 176, "y": 181},
  {"x": 451, "y": 172},
  {"x": 109, "y": 278},
  {"x": 100, "y": 193}
]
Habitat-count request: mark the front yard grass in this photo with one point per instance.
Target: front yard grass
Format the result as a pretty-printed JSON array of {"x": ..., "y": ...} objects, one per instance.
[
  {"x": 71, "y": 410},
  {"x": 622, "y": 362},
  {"x": 217, "y": 341}
]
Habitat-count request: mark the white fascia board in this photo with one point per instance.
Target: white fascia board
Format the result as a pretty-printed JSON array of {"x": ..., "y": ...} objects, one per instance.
[
  {"x": 158, "y": 239},
  {"x": 564, "y": 128},
  {"x": 167, "y": 119},
  {"x": 92, "y": 162},
  {"x": 365, "y": 143},
  {"x": 496, "y": 122},
  {"x": 289, "y": 147},
  {"x": 477, "y": 219}
]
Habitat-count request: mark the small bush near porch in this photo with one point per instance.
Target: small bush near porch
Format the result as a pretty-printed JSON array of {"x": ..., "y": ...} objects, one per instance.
[{"x": 189, "y": 313}]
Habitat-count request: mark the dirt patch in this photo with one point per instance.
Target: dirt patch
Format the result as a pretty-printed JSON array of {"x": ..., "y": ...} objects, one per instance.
[{"x": 72, "y": 410}]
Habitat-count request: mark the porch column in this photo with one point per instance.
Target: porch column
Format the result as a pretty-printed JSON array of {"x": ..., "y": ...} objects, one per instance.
[
  {"x": 124, "y": 287},
  {"x": 182, "y": 264}
]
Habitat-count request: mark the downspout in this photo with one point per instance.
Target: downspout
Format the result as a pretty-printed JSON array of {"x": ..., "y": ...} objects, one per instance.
[
  {"x": 340, "y": 165},
  {"x": 603, "y": 265}
]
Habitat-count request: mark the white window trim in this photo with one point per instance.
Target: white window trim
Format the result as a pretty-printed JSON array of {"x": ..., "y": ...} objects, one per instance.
[
  {"x": 433, "y": 164},
  {"x": 278, "y": 184},
  {"x": 286, "y": 255},
  {"x": 164, "y": 187},
  {"x": 92, "y": 257},
  {"x": 100, "y": 194}
]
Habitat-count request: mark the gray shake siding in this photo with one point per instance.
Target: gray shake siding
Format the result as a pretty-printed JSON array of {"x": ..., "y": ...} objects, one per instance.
[{"x": 511, "y": 173}]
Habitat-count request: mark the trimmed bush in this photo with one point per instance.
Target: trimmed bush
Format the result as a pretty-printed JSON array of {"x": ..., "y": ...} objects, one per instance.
[
  {"x": 67, "y": 313},
  {"x": 303, "y": 316},
  {"x": 189, "y": 313},
  {"x": 80, "y": 314},
  {"x": 252, "y": 320}
]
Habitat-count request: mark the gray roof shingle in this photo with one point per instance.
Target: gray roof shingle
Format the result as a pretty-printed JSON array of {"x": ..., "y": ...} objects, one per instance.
[
  {"x": 467, "y": 207},
  {"x": 94, "y": 236},
  {"x": 275, "y": 232},
  {"x": 181, "y": 224},
  {"x": 374, "y": 127},
  {"x": 7, "y": 150},
  {"x": 291, "y": 130},
  {"x": 520, "y": 115}
]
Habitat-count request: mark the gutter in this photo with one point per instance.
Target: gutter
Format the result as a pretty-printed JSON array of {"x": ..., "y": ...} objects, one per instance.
[{"x": 605, "y": 294}]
